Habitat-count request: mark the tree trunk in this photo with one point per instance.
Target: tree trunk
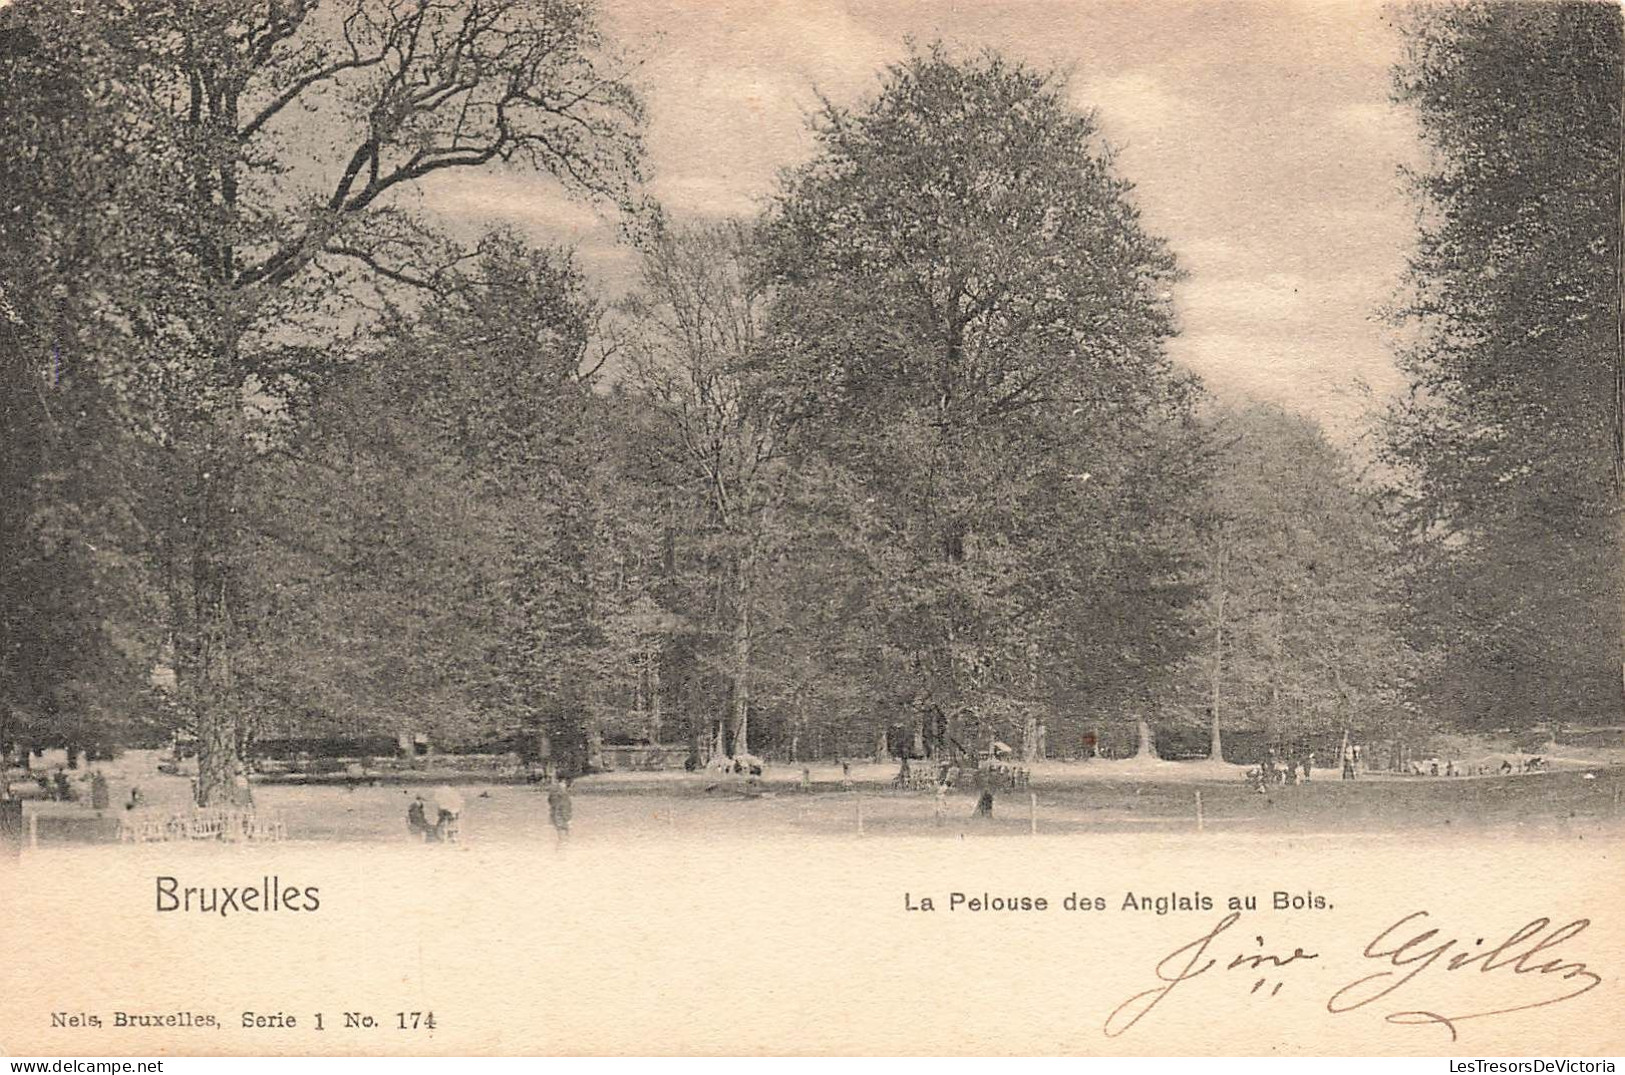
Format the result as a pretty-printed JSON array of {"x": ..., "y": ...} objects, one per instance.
[
  {"x": 639, "y": 710},
  {"x": 654, "y": 698},
  {"x": 1147, "y": 746},
  {"x": 1277, "y": 670},
  {"x": 799, "y": 724},
  {"x": 595, "y": 739},
  {"x": 741, "y": 670},
  {"x": 1619, "y": 403},
  {"x": 216, "y": 759},
  {"x": 205, "y": 670},
  {"x": 1221, "y": 588},
  {"x": 1030, "y": 751}
]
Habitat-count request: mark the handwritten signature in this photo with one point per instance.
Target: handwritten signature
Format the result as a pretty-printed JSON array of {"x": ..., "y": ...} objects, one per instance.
[{"x": 1404, "y": 951}]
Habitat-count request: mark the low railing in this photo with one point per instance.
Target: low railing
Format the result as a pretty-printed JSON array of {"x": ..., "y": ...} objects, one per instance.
[{"x": 231, "y": 825}]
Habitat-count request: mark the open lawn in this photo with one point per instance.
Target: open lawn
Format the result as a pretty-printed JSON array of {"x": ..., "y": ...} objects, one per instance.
[{"x": 1095, "y": 797}]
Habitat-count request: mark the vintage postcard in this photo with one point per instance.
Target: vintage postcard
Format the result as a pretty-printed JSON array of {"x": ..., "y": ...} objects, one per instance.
[{"x": 557, "y": 527}]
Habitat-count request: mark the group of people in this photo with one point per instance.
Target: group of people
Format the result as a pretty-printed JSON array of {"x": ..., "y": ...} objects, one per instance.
[
  {"x": 1432, "y": 767},
  {"x": 926, "y": 775},
  {"x": 447, "y": 809},
  {"x": 57, "y": 787},
  {"x": 1273, "y": 772}
]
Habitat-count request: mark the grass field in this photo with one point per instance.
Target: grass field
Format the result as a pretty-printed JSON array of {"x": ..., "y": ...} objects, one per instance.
[{"x": 1095, "y": 797}]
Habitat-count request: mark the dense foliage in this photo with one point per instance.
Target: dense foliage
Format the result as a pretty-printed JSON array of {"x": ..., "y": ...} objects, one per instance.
[
  {"x": 1508, "y": 445},
  {"x": 900, "y": 465}
]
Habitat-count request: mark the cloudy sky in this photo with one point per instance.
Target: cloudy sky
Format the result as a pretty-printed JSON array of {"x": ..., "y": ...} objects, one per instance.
[{"x": 1259, "y": 135}]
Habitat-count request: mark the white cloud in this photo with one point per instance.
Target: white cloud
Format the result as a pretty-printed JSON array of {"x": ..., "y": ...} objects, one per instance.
[
  {"x": 1272, "y": 297},
  {"x": 1133, "y": 104},
  {"x": 706, "y": 196},
  {"x": 535, "y": 203}
]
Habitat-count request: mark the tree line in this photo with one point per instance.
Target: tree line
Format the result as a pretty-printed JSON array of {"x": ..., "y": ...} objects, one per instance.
[{"x": 901, "y": 464}]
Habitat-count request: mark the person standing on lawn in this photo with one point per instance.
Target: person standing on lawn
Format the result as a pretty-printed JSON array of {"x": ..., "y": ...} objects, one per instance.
[{"x": 560, "y": 809}]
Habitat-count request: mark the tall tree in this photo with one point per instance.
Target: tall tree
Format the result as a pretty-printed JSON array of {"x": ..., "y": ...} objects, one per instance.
[
  {"x": 1506, "y": 438},
  {"x": 693, "y": 358},
  {"x": 275, "y": 141},
  {"x": 1301, "y": 613},
  {"x": 455, "y": 493},
  {"x": 967, "y": 304},
  {"x": 71, "y": 640}
]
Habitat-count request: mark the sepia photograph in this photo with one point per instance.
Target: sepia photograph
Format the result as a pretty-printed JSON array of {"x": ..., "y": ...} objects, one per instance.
[{"x": 844, "y": 527}]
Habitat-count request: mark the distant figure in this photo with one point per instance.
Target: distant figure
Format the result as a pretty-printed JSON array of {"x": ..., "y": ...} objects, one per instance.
[
  {"x": 1433, "y": 767},
  {"x": 1348, "y": 764},
  {"x": 560, "y": 809},
  {"x": 1308, "y": 766},
  {"x": 1450, "y": 767},
  {"x": 902, "y": 775},
  {"x": 1506, "y": 766},
  {"x": 64, "y": 790},
  {"x": 449, "y": 812},
  {"x": 942, "y": 803},
  {"x": 99, "y": 796},
  {"x": 806, "y": 778},
  {"x": 846, "y": 776},
  {"x": 984, "y": 805},
  {"x": 136, "y": 800},
  {"x": 417, "y": 820}
]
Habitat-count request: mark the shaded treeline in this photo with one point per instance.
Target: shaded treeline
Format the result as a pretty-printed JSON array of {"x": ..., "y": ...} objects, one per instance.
[{"x": 900, "y": 464}]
